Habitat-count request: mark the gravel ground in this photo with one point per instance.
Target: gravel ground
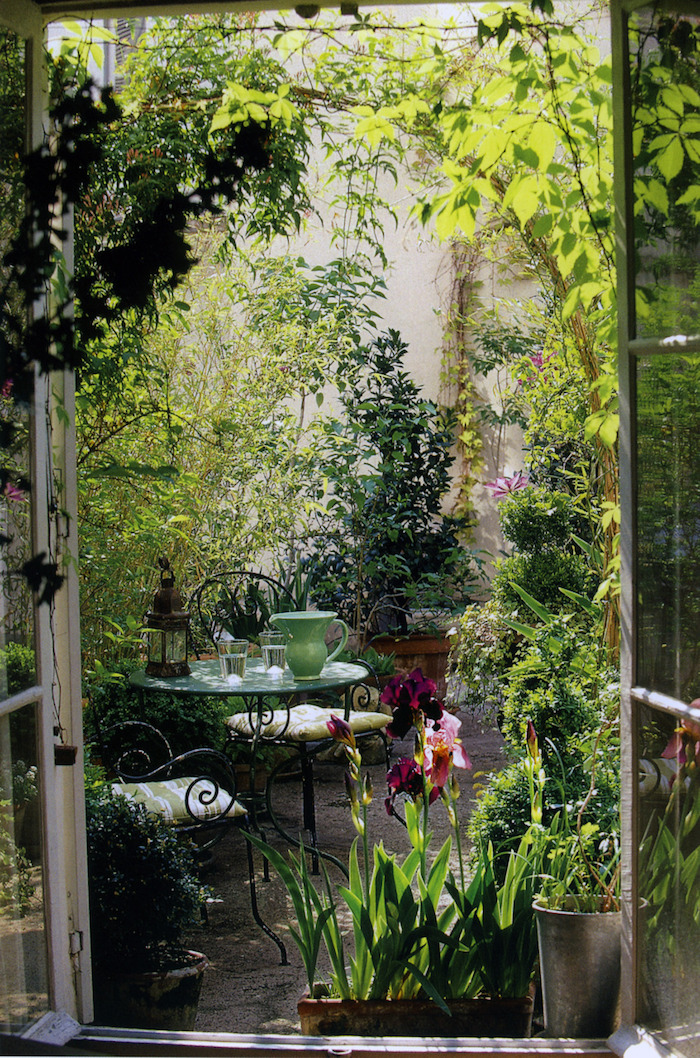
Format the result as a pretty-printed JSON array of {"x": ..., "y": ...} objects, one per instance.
[{"x": 245, "y": 988}]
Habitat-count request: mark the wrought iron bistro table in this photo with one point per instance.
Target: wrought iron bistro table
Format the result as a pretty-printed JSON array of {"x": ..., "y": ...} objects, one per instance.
[{"x": 270, "y": 717}]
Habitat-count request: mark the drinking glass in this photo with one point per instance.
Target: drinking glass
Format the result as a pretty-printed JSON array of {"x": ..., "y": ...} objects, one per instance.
[
  {"x": 233, "y": 654},
  {"x": 272, "y": 645}
]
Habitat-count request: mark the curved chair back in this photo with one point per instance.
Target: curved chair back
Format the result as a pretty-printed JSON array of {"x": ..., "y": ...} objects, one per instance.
[{"x": 238, "y": 603}]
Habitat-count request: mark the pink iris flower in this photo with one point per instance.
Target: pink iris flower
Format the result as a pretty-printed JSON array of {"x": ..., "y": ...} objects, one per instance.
[
  {"x": 684, "y": 744},
  {"x": 442, "y": 749}
]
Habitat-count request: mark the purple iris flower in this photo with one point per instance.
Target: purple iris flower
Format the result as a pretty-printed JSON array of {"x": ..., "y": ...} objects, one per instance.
[
  {"x": 341, "y": 731},
  {"x": 406, "y": 776},
  {"x": 408, "y": 695}
]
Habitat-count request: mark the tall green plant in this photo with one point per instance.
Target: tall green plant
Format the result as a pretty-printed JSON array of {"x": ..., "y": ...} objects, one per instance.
[
  {"x": 203, "y": 457},
  {"x": 385, "y": 549}
]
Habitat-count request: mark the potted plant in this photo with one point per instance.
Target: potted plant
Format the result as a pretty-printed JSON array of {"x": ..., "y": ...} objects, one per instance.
[
  {"x": 144, "y": 892},
  {"x": 577, "y": 910},
  {"x": 669, "y": 863},
  {"x": 386, "y": 558},
  {"x": 427, "y": 952}
]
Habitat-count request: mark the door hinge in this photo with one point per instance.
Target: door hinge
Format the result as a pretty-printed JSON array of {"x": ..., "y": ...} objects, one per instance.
[{"x": 76, "y": 941}]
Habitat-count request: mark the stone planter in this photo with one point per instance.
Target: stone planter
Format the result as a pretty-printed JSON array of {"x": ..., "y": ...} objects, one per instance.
[
  {"x": 165, "y": 999},
  {"x": 425, "y": 652},
  {"x": 579, "y": 971},
  {"x": 509, "y": 1018}
]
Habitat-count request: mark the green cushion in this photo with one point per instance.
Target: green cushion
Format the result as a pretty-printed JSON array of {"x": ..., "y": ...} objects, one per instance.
[
  {"x": 307, "y": 723},
  {"x": 168, "y": 799}
]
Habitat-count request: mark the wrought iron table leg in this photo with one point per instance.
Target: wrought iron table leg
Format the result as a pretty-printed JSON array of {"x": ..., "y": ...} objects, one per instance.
[
  {"x": 309, "y": 807},
  {"x": 256, "y": 913},
  {"x": 315, "y": 852}
]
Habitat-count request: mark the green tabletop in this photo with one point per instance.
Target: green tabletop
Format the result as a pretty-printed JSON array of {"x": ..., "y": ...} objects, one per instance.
[{"x": 206, "y": 679}]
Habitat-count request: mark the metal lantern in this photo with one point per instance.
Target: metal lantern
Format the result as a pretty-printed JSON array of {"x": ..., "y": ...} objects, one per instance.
[{"x": 167, "y": 629}]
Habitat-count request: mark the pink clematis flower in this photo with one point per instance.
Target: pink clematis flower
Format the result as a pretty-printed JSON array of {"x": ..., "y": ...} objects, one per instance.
[
  {"x": 443, "y": 749},
  {"x": 505, "y": 486},
  {"x": 14, "y": 493}
]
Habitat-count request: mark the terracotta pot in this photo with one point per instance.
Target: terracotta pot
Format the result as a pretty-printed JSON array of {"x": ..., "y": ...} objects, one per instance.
[
  {"x": 243, "y": 785},
  {"x": 425, "y": 652},
  {"x": 161, "y": 999},
  {"x": 511, "y": 1018}
]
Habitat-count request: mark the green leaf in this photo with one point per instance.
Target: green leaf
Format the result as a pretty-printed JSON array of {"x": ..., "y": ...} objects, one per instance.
[
  {"x": 670, "y": 157},
  {"x": 545, "y": 615}
]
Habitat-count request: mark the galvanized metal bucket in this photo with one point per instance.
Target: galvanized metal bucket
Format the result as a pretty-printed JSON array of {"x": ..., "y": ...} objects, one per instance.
[{"x": 580, "y": 972}]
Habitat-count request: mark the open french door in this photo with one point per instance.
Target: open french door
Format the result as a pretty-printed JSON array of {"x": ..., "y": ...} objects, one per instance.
[
  {"x": 43, "y": 892},
  {"x": 657, "y": 142}
]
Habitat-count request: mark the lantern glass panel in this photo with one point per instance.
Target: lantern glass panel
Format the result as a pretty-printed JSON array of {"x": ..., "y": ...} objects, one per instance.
[{"x": 176, "y": 645}]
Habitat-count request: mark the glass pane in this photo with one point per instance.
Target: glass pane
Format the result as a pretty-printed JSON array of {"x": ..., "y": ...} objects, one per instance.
[
  {"x": 665, "y": 52},
  {"x": 17, "y": 670},
  {"x": 23, "y": 958},
  {"x": 669, "y": 879},
  {"x": 668, "y": 525}
]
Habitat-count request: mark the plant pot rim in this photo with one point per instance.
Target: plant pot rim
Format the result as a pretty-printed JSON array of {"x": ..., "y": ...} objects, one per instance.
[
  {"x": 541, "y": 905},
  {"x": 196, "y": 963},
  {"x": 526, "y": 1000}
]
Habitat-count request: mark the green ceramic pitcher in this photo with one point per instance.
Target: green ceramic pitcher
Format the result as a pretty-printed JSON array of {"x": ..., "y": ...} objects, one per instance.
[{"x": 305, "y": 631}]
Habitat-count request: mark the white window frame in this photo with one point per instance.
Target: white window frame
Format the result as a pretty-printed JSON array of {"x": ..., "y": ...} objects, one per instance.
[
  {"x": 68, "y": 913},
  {"x": 57, "y": 694}
]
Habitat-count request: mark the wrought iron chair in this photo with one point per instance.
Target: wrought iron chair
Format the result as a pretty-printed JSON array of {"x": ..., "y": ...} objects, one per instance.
[
  {"x": 195, "y": 791},
  {"x": 240, "y": 603},
  {"x": 236, "y": 602}
]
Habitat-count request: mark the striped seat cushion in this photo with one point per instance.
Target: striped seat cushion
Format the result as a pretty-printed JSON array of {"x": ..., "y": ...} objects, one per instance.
[
  {"x": 307, "y": 723},
  {"x": 168, "y": 798}
]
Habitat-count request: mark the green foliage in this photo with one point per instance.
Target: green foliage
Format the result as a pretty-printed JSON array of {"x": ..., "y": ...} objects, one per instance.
[
  {"x": 204, "y": 457},
  {"x": 16, "y": 887},
  {"x": 581, "y": 868},
  {"x": 542, "y": 525},
  {"x": 23, "y": 786},
  {"x": 560, "y": 685},
  {"x": 19, "y": 662},
  {"x": 383, "y": 550},
  {"x": 546, "y": 690},
  {"x": 483, "y": 651},
  {"x": 404, "y": 942},
  {"x": 669, "y": 861},
  {"x": 542, "y": 575},
  {"x": 497, "y": 919},
  {"x": 502, "y": 813},
  {"x": 144, "y": 891},
  {"x": 185, "y": 722},
  {"x": 525, "y": 161},
  {"x": 535, "y": 519}
]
